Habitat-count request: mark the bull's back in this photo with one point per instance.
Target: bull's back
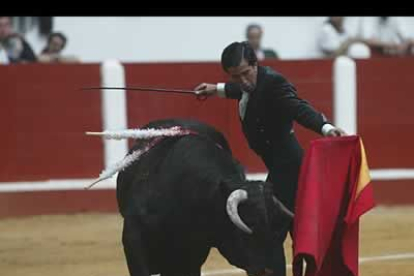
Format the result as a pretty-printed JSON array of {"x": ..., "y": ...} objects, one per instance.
[{"x": 201, "y": 128}]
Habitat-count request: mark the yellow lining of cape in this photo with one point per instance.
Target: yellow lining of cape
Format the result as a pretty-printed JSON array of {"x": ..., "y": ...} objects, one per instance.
[{"x": 364, "y": 176}]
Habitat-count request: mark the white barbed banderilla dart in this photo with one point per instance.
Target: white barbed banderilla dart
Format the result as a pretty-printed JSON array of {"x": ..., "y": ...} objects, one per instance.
[
  {"x": 139, "y": 133},
  {"x": 145, "y": 134},
  {"x": 124, "y": 163}
]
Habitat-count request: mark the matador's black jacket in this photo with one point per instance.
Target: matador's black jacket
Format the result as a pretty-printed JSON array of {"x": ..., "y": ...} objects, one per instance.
[{"x": 271, "y": 110}]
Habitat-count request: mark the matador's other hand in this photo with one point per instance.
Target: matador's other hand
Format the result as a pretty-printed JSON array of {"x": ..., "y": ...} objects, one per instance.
[{"x": 336, "y": 132}]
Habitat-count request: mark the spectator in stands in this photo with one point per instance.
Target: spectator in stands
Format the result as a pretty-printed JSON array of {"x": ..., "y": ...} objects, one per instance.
[
  {"x": 4, "y": 59},
  {"x": 53, "y": 51},
  {"x": 387, "y": 38},
  {"x": 17, "y": 48},
  {"x": 254, "y": 35},
  {"x": 333, "y": 40}
]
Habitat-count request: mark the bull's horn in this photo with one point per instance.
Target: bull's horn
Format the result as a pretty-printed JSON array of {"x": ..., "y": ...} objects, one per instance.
[
  {"x": 282, "y": 207},
  {"x": 233, "y": 201}
]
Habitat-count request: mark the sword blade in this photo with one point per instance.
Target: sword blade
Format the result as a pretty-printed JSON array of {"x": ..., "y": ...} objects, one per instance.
[{"x": 153, "y": 89}]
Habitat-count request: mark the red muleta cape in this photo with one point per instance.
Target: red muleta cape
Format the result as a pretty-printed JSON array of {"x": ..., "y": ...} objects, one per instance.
[{"x": 334, "y": 191}]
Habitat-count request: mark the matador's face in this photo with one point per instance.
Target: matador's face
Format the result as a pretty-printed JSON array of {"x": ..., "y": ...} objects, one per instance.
[{"x": 245, "y": 75}]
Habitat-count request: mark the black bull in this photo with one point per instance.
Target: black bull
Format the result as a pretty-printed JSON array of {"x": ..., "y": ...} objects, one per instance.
[{"x": 182, "y": 198}]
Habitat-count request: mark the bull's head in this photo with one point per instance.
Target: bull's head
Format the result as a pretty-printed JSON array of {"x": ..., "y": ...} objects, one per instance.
[
  {"x": 258, "y": 217},
  {"x": 240, "y": 195}
]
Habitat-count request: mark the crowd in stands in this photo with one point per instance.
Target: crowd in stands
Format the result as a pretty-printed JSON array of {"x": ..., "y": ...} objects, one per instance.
[
  {"x": 15, "y": 49},
  {"x": 385, "y": 39}
]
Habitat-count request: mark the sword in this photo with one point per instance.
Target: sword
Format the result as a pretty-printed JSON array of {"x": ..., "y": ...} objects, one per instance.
[{"x": 152, "y": 89}]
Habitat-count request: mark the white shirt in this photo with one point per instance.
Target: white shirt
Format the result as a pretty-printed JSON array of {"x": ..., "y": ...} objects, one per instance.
[
  {"x": 245, "y": 99},
  {"x": 329, "y": 39},
  {"x": 393, "y": 31},
  {"x": 4, "y": 59},
  {"x": 243, "y": 104},
  {"x": 388, "y": 32},
  {"x": 260, "y": 54}
]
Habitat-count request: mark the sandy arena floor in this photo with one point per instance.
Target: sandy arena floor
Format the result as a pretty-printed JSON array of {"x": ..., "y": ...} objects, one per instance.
[{"x": 89, "y": 245}]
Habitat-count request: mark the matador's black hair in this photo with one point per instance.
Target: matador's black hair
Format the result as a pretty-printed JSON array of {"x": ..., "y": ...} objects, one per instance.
[{"x": 234, "y": 53}]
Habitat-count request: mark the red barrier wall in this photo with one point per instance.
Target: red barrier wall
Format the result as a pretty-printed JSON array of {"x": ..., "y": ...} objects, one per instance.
[
  {"x": 385, "y": 111},
  {"x": 43, "y": 117}
]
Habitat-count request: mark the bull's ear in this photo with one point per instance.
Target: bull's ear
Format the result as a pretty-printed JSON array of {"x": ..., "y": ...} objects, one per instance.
[{"x": 241, "y": 170}]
